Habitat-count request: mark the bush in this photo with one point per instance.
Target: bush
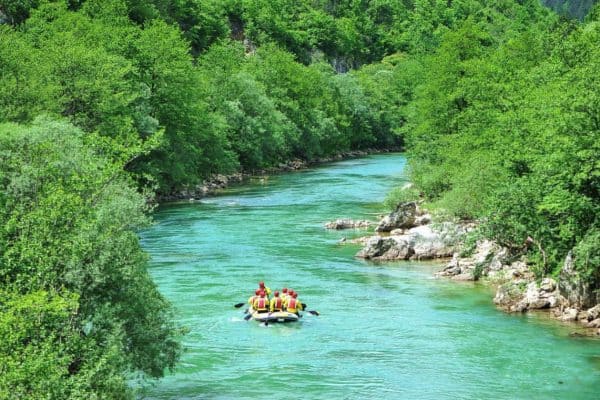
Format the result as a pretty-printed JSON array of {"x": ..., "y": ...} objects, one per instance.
[
  {"x": 587, "y": 257},
  {"x": 399, "y": 195}
]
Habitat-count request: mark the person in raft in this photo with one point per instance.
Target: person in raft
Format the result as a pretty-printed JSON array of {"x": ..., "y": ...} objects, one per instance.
[
  {"x": 266, "y": 289},
  {"x": 261, "y": 304},
  {"x": 276, "y": 302},
  {"x": 287, "y": 298},
  {"x": 290, "y": 292},
  {"x": 294, "y": 305},
  {"x": 254, "y": 297},
  {"x": 284, "y": 294}
]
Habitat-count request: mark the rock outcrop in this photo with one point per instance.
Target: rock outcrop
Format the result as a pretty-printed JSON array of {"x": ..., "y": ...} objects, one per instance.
[
  {"x": 418, "y": 243},
  {"x": 403, "y": 217},
  {"x": 574, "y": 289},
  {"x": 517, "y": 289},
  {"x": 408, "y": 234},
  {"x": 579, "y": 301},
  {"x": 589, "y": 318},
  {"x": 207, "y": 188},
  {"x": 386, "y": 249},
  {"x": 293, "y": 165},
  {"x": 346, "y": 223},
  {"x": 488, "y": 260},
  {"x": 511, "y": 298}
]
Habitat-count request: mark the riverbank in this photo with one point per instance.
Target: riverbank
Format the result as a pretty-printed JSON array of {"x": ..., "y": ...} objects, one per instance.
[
  {"x": 217, "y": 182},
  {"x": 517, "y": 290},
  {"x": 409, "y": 233}
]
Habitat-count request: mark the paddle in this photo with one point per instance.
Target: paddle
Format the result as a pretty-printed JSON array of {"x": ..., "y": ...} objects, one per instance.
[
  {"x": 247, "y": 317},
  {"x": 238, "y": 305},
  {"x": 313, "y": 312}
]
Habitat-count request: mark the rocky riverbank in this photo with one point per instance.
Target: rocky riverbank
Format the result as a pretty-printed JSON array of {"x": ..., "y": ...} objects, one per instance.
[
  {"x": 219, "y": 181},
  {"x": 567, "y": 297},
  {"x": 408, "y": 233}
]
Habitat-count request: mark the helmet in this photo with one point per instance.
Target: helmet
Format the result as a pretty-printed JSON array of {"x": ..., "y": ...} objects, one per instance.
[
  {"x": 261, "y": 284},
  {"x": 276, "y": 293},
  {"x": 284, "y": 290},
  {"x": 257, "y": 292},
  {"x": 294, "y": 295}
]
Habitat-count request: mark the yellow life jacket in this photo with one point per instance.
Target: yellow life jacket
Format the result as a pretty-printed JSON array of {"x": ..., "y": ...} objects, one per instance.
[{"x": 276, "y": 304}]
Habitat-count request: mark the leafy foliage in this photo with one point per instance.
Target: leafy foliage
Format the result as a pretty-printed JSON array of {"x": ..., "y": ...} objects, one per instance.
[
  {"x": 68, "y": 218},
  {"x": 44, "y": 354},
  {"x": 401, "y": 195},
  {"x": 503, "y": 129}
]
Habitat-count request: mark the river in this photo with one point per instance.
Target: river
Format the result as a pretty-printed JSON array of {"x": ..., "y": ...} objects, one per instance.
[{"x": 385, "y": 331}]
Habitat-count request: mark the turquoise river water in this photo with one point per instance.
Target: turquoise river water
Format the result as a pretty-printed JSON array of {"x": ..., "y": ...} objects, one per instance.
[{"x": 386, "y": 331}]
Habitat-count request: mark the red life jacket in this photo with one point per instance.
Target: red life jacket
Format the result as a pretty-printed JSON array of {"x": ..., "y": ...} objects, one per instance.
[
  {"x": 292, "y": 303},
  {"x": 278, "y": 303},
  {"x": 261, "y": 303}
]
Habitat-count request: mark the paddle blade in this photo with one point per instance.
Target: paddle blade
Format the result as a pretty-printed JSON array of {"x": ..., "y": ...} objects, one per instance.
[
  {"x": 247, "y": 317},
  {"x": 313, "y": 312},
  {"x": 238, "y": 305}
]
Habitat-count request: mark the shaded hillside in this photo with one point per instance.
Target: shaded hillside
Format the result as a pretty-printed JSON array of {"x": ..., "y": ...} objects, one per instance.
[{"x": 573, "y": 8}]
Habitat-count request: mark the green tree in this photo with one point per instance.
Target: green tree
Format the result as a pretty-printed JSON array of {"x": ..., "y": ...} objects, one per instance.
[
  {"x": 45, "y": 353},
  {"x": 24, "y": 89},
  {"x": 195, "y": 137},
  {"x": 68, "y": 216}
]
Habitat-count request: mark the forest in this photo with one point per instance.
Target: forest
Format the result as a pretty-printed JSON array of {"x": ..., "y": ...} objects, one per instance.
[{"x": 106, "y": 103}]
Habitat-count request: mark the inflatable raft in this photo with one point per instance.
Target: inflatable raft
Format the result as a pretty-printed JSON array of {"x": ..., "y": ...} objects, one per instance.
[{"x": 277, "y": 316}]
